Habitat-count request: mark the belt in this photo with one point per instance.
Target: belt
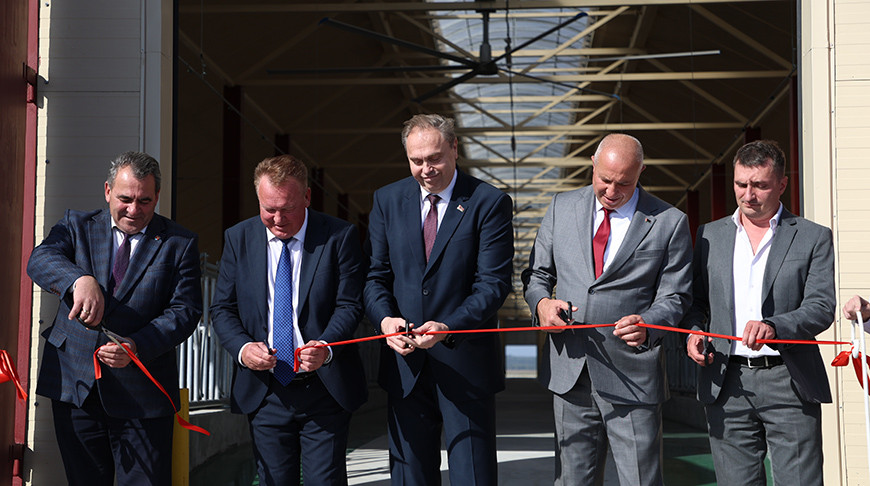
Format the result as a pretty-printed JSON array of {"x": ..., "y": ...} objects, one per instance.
[{"x": 757, "y": 362}]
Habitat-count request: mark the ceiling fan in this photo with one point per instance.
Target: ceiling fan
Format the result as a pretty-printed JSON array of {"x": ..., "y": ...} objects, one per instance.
[{"x": 484, "y": 65}]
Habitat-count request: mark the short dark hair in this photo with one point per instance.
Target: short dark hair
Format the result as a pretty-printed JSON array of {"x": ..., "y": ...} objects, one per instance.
[
  {"x": 760, "y": 153},
  {"x": 140, "y": 163},
  {"x": 443, "y": 124},
  {"x": 280, "y": 168}
]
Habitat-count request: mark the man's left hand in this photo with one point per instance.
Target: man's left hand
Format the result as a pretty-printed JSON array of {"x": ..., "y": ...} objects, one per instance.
[
  {"x": 310, "y": 359},
  {"x": 628, "y": 330},
  {"x": 754, "y": 331},
  {"x": 426, "y": 341},
  {"x": 114, "y": 356}
]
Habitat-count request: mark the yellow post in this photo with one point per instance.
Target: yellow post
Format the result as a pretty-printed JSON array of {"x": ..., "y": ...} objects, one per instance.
[{"x": 181, "y": 444}]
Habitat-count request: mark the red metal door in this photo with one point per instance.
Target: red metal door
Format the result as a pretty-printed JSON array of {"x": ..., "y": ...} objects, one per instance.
[{"x": 18, "y": 63}]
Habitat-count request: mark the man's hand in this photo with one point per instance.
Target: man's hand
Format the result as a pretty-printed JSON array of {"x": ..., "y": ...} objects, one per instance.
[
  {"x": 695, "y": 348},
  {"x": 258, "y": 357},
  {"x": 754, "y": 331},
  {"x": 401, "y": 344},
  {"x": 855, "y": 304},
  {"x": 628, "y": 330},
  {"x": 114, "y": 356},
  {"x": 426, "y": 341},
  {"x": 88, "y": 301},
  {"x": 310, "y": 359},
  {"x": 548, "y": 313}
]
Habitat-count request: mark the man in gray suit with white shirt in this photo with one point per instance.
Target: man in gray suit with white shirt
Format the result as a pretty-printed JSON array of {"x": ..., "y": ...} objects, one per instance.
[
  {"x": 762, "y": 273},
  {"x": 619, "y": 255}
]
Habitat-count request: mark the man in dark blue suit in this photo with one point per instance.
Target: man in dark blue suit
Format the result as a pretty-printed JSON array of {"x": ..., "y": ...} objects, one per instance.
[
  {"x": 299, "y": 262},
  {"x": 441, "y": 247},
  {"x": 137, "y": 273}
]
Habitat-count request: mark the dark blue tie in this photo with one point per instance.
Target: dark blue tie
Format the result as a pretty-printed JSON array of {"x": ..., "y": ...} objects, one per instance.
[
  {"x": 122, "y": 261},
  {"x": 283, "y": 336}
]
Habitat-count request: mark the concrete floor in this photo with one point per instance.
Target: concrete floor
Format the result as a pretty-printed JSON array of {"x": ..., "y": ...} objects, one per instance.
[{"x": 525, "y": 444}]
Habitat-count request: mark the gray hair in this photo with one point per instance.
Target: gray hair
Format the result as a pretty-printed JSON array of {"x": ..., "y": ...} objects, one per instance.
[
  {"x": 443, "y": 124},
  {"x": 140, "y": 163},
  {"x": 760, "y": 153}
]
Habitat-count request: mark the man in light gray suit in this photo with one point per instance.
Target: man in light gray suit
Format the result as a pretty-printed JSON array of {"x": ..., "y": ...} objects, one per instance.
[
  {"x": 762, "y": 273},
  {"x": 619, "y": 255}
]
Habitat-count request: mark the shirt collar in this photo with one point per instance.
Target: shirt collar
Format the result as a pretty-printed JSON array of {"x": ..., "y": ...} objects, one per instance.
[
  {"x": 774, "y": 221},
  {"x": 626, "y": 210},
  {"x": 299, "y": 236},
  {"x": 141, "y": 232},
  {"x": 446, "y": 194}
]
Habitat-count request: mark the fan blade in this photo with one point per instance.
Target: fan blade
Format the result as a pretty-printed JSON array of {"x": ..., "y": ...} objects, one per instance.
[
  {"x": 398, "y": 42},
  {"x": 444, "y": 87},
  {"x": 362, "y": 69},
  {"x": 541, "y": 36},
  {"x": 558, "y": 83}
]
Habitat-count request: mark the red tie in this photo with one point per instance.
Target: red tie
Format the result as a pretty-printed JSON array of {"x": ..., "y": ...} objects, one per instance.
[
  {"x": 599, "y": 243},
  {"x": 430, "y": 225}
]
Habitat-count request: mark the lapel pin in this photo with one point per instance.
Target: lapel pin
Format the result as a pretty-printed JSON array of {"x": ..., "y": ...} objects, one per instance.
[
  {"x": 157, "y": 238},
  {"x": 460, "y": 208}
]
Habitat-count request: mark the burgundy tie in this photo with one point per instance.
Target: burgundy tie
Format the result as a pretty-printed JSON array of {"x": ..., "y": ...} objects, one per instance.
[
  {"x": 430, "y": 226},
  {"x": 599, "y": 243},
  {"x": 122, "y": 260}
]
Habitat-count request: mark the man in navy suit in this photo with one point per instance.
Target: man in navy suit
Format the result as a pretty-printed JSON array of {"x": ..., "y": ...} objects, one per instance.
[
  {"x": 438, "y": 264},
  {"x": 137, "y": 273},
  {"x": 303, "y": 415}
]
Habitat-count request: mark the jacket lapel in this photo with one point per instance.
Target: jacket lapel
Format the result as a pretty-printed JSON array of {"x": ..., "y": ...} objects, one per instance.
[
  {"x": 725, "y": 235},
  {"x": 102, "y": 247},
  {"x": 585, "y": 209},
  {"x": 312, "y": 250},
  {"x": 258, "y": 266},
  {"x": 779, "y": 246},
  {"x": 412, "y": 222}
]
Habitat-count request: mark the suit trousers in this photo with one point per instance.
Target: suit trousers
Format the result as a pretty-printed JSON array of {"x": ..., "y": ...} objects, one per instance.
[
  {"x": 758, "y": 411},
  {"x": 415, "y": 424},
  {"x": 586, "y": 424},
  {"x": 300, "y": 422},
  {"x": 95, "y": 447}
]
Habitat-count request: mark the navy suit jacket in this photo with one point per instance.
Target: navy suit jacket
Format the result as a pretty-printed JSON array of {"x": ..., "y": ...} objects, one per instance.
[
  {"x": 330, "y": 291},
  {"x": 797, "y": 296},
  {"x": 463, "y": 285},
  {"x": 157, "y": 305}
]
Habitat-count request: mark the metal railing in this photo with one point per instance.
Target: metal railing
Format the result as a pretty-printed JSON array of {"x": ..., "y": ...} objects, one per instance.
[{"x": 204, "y": 366}]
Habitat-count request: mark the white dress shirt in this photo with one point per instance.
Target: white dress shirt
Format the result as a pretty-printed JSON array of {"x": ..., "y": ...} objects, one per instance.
[
  {"x": 118, "y": 240},
  {"x": 748, "y": 277},
  {"x": 620, "y": 220}
]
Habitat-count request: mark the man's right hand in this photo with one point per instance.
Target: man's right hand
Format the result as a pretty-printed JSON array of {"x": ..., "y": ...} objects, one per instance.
[
  {"x": 548, "y": 313},
  {"x": 88, "y": 301},
  {"x": 400, "y": 344},
  {"x": 695, "y": 348},
  {"x": 256, "y": 356}
]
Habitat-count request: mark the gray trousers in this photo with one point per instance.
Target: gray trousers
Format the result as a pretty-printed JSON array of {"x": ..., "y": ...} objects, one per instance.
[
  {"x": 586, "y": 423},
  {"x": 758, "y": 412}
]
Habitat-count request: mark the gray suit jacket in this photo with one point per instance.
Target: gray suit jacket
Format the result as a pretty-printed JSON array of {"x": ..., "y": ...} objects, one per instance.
[
  {"x": 650, "y": 275},
  {"x": 797, "y": 297}
]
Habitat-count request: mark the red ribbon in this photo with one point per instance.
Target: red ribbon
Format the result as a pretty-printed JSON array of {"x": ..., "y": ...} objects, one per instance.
[
  {"x": 842, "y": 359},
  {"x": 565, "y": 327},
  {"x": 98, "y": 373},
  {"x": 7, "y": 373}
]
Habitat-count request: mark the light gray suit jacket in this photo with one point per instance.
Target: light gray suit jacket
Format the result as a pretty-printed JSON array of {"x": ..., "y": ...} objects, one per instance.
[
  {"x": 650, "y": 275},
  {"x": 797, "y": 297}
]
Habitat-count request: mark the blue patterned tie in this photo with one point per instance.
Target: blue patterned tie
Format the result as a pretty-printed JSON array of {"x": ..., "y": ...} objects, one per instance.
[{"x": 283, "y": 336}]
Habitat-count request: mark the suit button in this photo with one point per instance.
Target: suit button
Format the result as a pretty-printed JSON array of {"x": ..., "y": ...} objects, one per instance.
[
  {"x": 425, "y": 291},
  {"x": 591, "y": 291}
]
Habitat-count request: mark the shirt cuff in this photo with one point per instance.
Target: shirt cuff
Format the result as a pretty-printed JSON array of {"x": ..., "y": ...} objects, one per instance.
[{"x": 328, "y": 348}]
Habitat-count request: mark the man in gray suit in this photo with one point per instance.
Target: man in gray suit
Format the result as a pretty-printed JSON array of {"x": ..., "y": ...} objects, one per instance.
[
  {"x": 619, "y": 255},
  {"x": 762, "y": 273}
]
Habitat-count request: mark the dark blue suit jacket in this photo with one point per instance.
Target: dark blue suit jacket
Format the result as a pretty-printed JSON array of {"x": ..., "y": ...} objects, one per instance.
[
  {"x": 463, "y": 285},
  {"x": 157, "y": 305},
  {"x": 330, "y": 286}
]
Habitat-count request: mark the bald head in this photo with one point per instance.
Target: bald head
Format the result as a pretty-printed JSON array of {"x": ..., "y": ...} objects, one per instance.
[{"x": 616, "y": 168}]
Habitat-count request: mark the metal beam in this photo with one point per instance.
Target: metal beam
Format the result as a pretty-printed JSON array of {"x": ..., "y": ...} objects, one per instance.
[{"x": 589, "y": 129}]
